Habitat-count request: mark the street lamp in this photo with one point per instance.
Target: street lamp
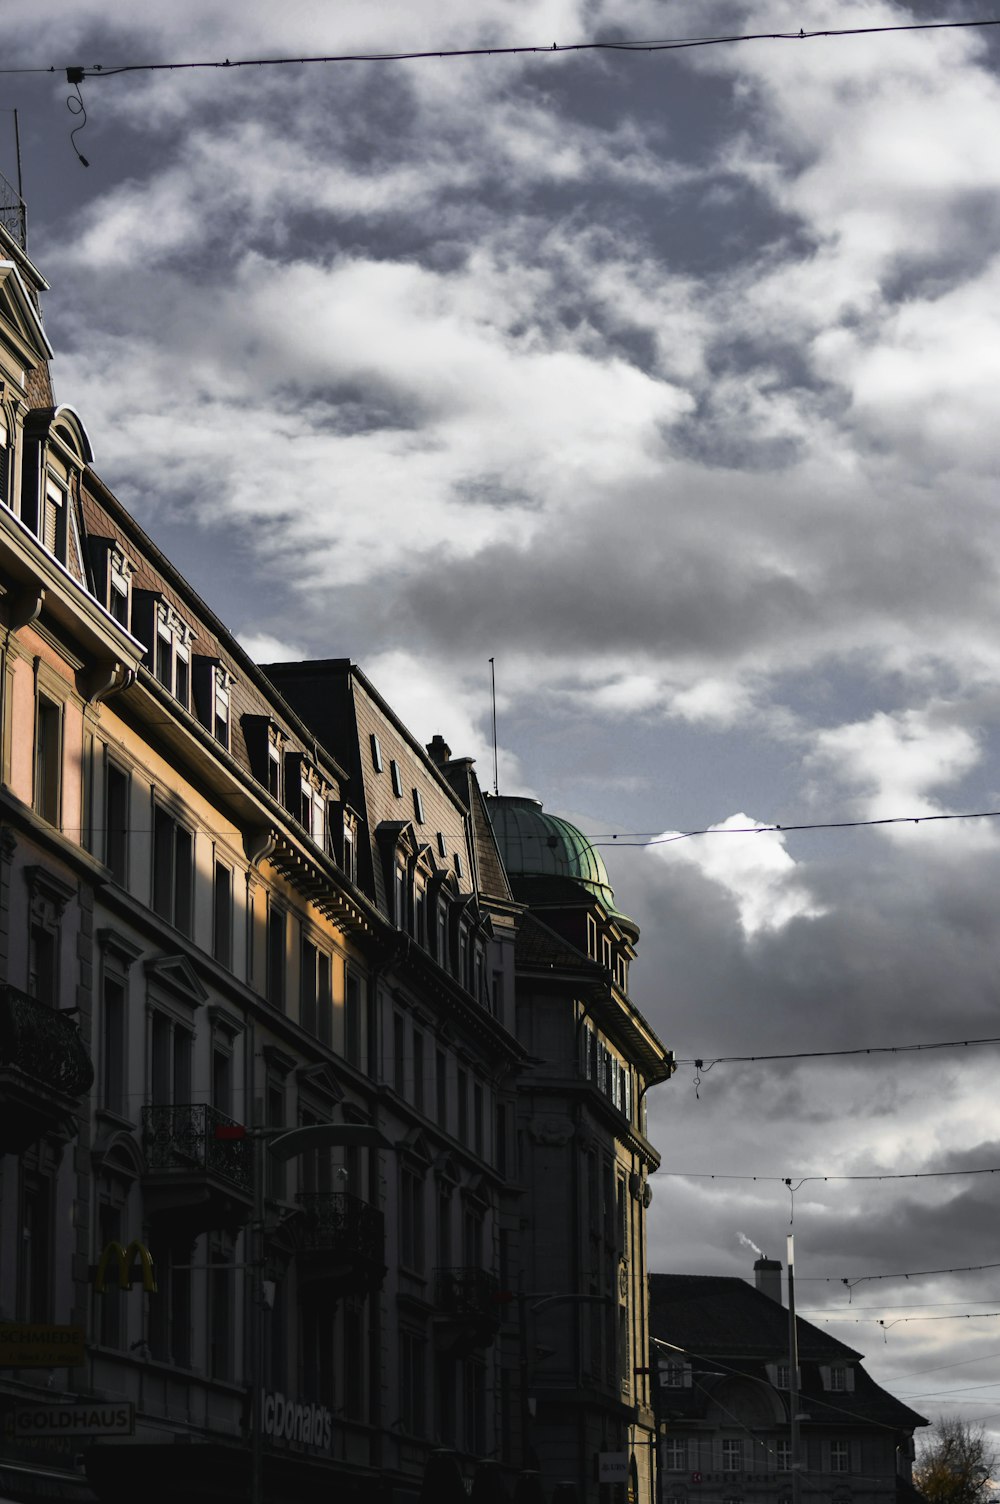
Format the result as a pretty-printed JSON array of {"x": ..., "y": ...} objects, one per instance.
[{"x": 284, "y": 1144}]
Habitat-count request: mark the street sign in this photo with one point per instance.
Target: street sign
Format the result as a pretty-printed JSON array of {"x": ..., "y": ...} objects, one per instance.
[
  {"x": 33, "y": 1345},
  {"x": 75, "y": 1420},
  {"x": 612, "y": 1467}
]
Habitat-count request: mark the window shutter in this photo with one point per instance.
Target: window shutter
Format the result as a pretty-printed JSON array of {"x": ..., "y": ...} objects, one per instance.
[
  {"x": 855, "y": 1456},
  {"x": 694, "y": 1462},
  {"x": 849, "y": 1380},
  {"x": 824, "y": 1369},
  {"x": 687, "y": 1376}
]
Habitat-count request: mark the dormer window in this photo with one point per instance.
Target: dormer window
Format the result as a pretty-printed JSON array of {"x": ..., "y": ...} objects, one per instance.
[
  {"x": 55, "y": 518},
  {"x": 213, "y": 684},
  {"x": 418, "y": 807},
  {"x": 6, "y": 461},
  {"x": 307, "y": 795},
  {"x": 172, "y": 653},
  {"x": 265, "y": 742},
  {"x": 397, "y": 778},
  {"x": 120, "y": 587}
]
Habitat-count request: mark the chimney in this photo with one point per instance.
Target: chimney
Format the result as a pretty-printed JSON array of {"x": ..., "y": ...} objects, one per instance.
[
  {"x": 439, "y": 751},
  {"x": 767, "y": 1278}
]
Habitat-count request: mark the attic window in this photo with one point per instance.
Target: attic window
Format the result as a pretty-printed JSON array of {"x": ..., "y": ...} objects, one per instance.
[
  {"x": 376, "y": 753},
  {"x": 459, "y": 869},
  {"x": 674, "y": 1374},
  {"x": 54, "y": 520},
  {"x": 442, "y": 844},
  {"x": 418, "y": 807},
  {"x": 172, "y": 653},
  {"x": 397, "y": 778},
  {"x": 119, "y": 587}
]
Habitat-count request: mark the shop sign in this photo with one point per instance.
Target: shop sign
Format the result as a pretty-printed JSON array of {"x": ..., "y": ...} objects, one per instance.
[
  {"x": 288, "y": 1422},
  {"x": 612, "y": 1467},
  {"x": 74, "y": 1420},
  {"x": 32, "y": 1345}
]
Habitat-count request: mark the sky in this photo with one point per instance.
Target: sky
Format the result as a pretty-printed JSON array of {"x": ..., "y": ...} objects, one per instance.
[{"x": 666, "y": 380}]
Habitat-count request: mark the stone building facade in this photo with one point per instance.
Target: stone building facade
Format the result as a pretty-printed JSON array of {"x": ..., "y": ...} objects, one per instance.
[{"x": 237, "y": 902}]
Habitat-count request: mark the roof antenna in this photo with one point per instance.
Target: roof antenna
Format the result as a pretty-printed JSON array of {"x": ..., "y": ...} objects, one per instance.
[{"x": 493, "y": 680}]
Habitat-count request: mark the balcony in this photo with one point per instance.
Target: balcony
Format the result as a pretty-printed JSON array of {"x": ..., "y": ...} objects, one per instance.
[
  {"x": 336, "y": 1238},
  {"x": 467, "y": 1309},
  {"x": 44, "y": 1071},
  {"x": 201, "y": 1181}
]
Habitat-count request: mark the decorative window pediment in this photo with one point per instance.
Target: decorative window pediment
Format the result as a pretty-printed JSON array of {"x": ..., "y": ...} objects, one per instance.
[{"x": 179, "y": 977}]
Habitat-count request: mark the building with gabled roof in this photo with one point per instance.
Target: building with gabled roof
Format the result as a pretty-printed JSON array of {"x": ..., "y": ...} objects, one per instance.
[{"x": 722, "y": 1363}]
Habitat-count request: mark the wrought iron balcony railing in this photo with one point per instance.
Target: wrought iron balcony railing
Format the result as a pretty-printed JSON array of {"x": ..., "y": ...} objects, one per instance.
[
  {"x": 337, "y": 1223},
  {"x": 44, "y": 1044},
  {"x": 467, "y": 1292},
  {"x": 180, "y": 1139}
]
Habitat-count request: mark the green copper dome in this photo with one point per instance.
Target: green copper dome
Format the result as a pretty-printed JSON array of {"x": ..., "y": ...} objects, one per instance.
[{"x": 534, "y": 844}]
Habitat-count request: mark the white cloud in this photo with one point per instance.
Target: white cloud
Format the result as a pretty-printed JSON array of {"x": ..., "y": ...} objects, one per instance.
[{"x": 755, "y": 871}]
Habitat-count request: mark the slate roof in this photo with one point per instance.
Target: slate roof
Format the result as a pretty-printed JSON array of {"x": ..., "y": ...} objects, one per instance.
[{"x": 726, "y": 1321}]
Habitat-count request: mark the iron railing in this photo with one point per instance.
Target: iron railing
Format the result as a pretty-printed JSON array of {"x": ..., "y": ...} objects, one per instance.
[
  {"x": 336, "y": 1222},
  {"x": 181, "y": 1139},
  {"x": 468, "y": 1292},
  {"x": 43, "y": 1043}
]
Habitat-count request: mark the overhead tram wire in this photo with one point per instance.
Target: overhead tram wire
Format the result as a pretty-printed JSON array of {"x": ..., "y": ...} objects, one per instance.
[
  {"x": 644, "y": 839},
  {"x": 669, "y": 44}
]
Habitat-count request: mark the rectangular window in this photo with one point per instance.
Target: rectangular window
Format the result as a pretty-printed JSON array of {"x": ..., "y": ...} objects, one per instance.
[
  {"x": 220, "y": 727},
  {"x": 477, "y": 1119},
  {"x": 441, "y": 1087},
  {"x": 54, "y": 524},
  {"x": 324, "y": 999},
  {"x": 411, "y": 1221},
  {"x": 5, "y": 463},
  {"x": 173, "y": 870},
  {"x": 220, "y": 1314},
  {"x": 376, "y": 746},
  {"x": 275, "y": 956},
  {"x": 412, "y": 1382},
  {"x": 43, "y": 963},
  {"x": 399, "y": 1055},
  {"x": 463, "y": 1106},
  {"x": 732, "y": 1454},
  {"x": 673, "y": 1374},
  {"x": 222, "y": 915},
  {"x": 222, "y": 1080},
  {"x": 840, "y": 1457},
  {"x": 673, "y": 1454},
  {"x": 418, "y": 807},
  {"x": 352, "y": 1019},
  {"x": 308, "y": 977},
  {"x": 397, "y": 778},
  {"x": 116, "y": 822},
  {"x": 113, "y": 1044},
  {"x": 442, "y": 844},
  {"x": 418, "y": 1070},
  {"x": 118, "y": 590},
  {"x": 783, "y": 1456},
  {"x": 838, "y": 1379},
  {"x": 48, "y": 759},
  {"x": 275, "y": 1180},
  {"x": 34, "y": 1251}
]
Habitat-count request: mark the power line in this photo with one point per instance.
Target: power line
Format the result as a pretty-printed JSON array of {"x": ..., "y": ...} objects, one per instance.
[
  {"x": 805, "y": 1179},
  {"x": 704, "y": 1066},
  {"x": 644, "y": 839},
  {"x": 77, "y": 74}
]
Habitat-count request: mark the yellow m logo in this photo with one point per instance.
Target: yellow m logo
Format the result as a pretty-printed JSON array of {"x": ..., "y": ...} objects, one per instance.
[{"x": 126, "y": 1257}]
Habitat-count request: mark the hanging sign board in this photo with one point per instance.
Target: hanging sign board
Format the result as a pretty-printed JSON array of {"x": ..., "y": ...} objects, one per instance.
[
  {"x": 612, "y": 1467},
  {"x": 32, "y": 1345}
]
